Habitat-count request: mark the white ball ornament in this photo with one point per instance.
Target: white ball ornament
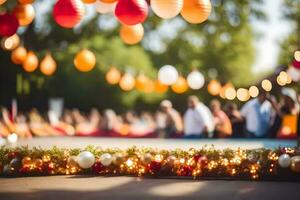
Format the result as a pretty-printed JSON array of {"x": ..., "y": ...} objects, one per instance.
[
  {"x": 284, "y": 160},
  {"x": 168, "y": 75},
  {"x": 86, "y": 159},
  {"x": 195, "y": 80},
  {"x": 106, "y": 159},
  {"x": 166, "y": 9},
  {"x": 105, "y": 8}
]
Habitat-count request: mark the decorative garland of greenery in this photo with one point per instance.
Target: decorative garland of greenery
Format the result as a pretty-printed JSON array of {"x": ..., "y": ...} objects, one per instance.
[{"x": 258, "y": 164}]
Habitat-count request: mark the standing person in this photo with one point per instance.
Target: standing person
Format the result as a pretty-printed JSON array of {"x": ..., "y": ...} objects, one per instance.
[
  {"x": 198, "y": 120},
  {"x": 223, "y": 128},
  {"x": 257, "y": 114},
  {"x": 173, "y": 120},
  {"x": 236, "y": 120}
]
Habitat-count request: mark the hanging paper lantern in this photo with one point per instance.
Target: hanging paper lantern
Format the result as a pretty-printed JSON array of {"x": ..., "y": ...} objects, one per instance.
[
  {"x": 132, "y": 34},
  {"x": 18, "y": 56},
  {"x": 25, "y": 14},
  {"x": 196, "y": 11},
  {"x": 48, "y": 65},
  {"x": 108, "y": 1},
  {"x": 68, "y": 13},
  {"x": 25, "y": 1},
  {"x": 127, "y": 82},
  {"x": 141, "y": 82},
  {"x": 166, "y": 9},
  {"x": 180, "y": 86},
  {"x": 195, "y": 80},
  {"x": 214, "y": 87},
  {"x": 168, "y": 75},
  {"x": 113, "y": 76},
  {"x": 10, "y": 43},
  {"x": 131, "y": 12},
  {"x": 88, "y": 1},
  {"x": 2, "y": 2},
  {"x": 294, "y": 74},
  {"x": 160, "y": 88},
  {"x": 85, "y": 60},
  {"x": 103, "y": 7},
  {"x": 8, "y": 25},
  {"x": 31, "y": 62},
  {"x": 296, "y": 64}
]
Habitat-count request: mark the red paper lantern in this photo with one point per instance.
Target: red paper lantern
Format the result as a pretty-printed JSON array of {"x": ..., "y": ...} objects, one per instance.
[
  {"x": 296, "y": 64},
  {"x": 8, "y": 25},
  {"x": 131, "y": 12},
  {"x": 68, "y": 13}
]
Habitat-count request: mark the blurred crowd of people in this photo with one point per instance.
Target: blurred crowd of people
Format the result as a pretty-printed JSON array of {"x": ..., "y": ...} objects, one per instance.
[{"x": 261, "y": 117}]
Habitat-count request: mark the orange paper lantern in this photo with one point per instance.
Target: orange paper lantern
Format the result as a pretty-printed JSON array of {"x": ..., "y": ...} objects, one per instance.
[
  {"x": 88, "y": 1},
  {"x": 127, "y": 82},
  {"x": 141, "y": 82},
  {"x": 160, "y": 88},
  {"x": 214, "y": 87},
  {"x": 48, "y": 65},
  {"x": 25, "y": 14},
  {"x": 113, "y": 76},
  {"x": 25, "y": 1},
  {"x": 196, "y": 11},
  {"x": 19, "y": 55},
  {"x": 132, "y": 34},
  {"x": 85, "y": 60},
  {"x": 180, "y": 86},
  {"x": 149, "y": 87},
  {"x": 31, "y": 62}
]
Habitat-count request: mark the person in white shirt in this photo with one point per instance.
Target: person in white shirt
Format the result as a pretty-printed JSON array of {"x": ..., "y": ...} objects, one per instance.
[
  {"x": 257, "y": 114},
  {"x": 198, "y": 120}
]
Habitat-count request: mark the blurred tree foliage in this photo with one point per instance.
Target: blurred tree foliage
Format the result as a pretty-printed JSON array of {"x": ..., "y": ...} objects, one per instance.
[{"x": 220, "y": 48}]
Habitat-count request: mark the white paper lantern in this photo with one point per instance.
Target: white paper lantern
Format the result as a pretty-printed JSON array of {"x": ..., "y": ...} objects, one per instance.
[
  {"x": 166, "y": 9},
  {"x": 168, "y": 75},
  {"x": 105, "y": 8},
  {"x": 294, "y": 74},
  {"x": 195, "y": 80},
  {"x": 106, "y": 159},
  {"x": 284, "y": 160},
  {"x": 86, "y": 159}
]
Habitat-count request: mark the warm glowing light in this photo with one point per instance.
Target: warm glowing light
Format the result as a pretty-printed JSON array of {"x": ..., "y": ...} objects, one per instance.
[
  {"x": 168, "y": 75},
  {"x": 230, "y": 93},
  {"x": 224, "y": 88},
  {"x": 113, "y": 76},
  {"x": 253, "y": 91},
  {"x": 242, "y": 94},
  {"x": 12, "y": 138},
  {"x": 266, "y": 85},
  {"x": 10, "y": 43},
  {"x": 297, "y": 56},
  {"x": 282, "y": 78},
  {"x": 129, "y": 163},
  {"x": 127, "y": 82},
  {"x": 214, "y": 87},
  {"x": 180, "y": 86}
]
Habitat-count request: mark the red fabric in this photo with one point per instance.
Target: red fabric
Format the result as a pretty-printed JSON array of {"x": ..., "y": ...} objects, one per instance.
[
  {"x": 131, "y": 12},
  {"x": 8, "y": 25},
  {"x": 68, "y": 13}
]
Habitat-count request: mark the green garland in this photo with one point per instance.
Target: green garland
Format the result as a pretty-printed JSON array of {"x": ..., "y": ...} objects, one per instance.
[{"x": 207, "y": 162}]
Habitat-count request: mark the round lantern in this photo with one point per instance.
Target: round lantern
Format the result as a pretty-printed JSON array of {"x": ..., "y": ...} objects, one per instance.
[
  {"x": 196, "y": 11},
  {"x": 150, "y": 86},
  {"x": 25, "y": 1},
  {"x": 166, "y": 9},
  {"x": 132, "y": 34},
  {"x": 48, "y": 65},
  {"x": 10, "y": 43},
  {"x": 68, "y": 13},
  {"x": 31, "y": 62},
  {"x": 113, "y": 76},
  {"x": 18, "y": 55},
  {"x": 214, "y": 87},
  {"x": 195, "y": 80},
  {"x": 141, "y": 82},
  {"x": 131, "y": 12},
  {"x": 180, "y": 86},
  {"x": 103, "y": 7},
  {"x": 127, "y": 82},
  {"x": 108, "y": 1},
  {"x": 85, "y": 60},
  {"x": 160, "y": 88},
  {"x": 88, "y": 1},
  {"x": 8, "y": 25},
  {"x": 296, "y": 64},
  {"x": 25, "y": 14},
  {"x": 168, "y": 75}
]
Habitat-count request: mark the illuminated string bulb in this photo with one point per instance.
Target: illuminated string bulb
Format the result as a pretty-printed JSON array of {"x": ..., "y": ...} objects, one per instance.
[
  {"x": 158, "y": 158},
  {"x": 129, "y": 163},
  {"x": 230, "y": 93},
  {"x": 242, "y": 94},
  {"x": 266, "y": 85},
  {"x": 113, "y": 76},
  {"x": 253, "y": 91},
  {"x": 127, "y": 82},
  {"x": 214, "y": 87},
  {"x": 10, "y": 43},
  {"x": 297, "y": 55},
  {"x": 224, "y": 88},
  {"x": 180, "y": 86},
  {"x": 282, "y": 78}
]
